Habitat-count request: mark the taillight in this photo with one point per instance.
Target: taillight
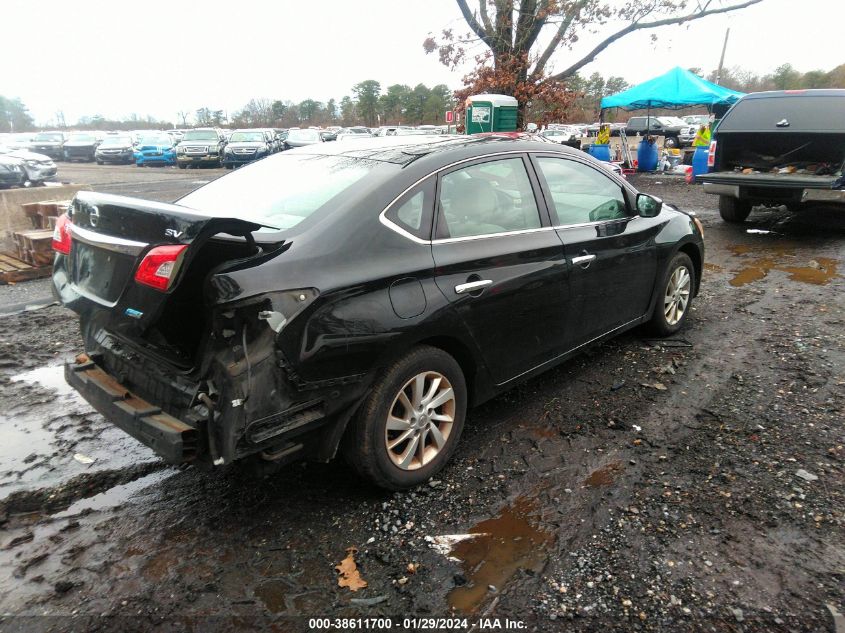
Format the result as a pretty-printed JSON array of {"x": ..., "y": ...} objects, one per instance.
[
  {"x": 160, "y": 265},
  {"x": 61, "y": 235},
  {"x": 711, "y": 155}
]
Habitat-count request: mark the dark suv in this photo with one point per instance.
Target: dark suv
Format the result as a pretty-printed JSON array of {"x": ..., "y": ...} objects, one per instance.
[
  {"x": 675, "y": 130},
  {"x": 50, "y": 144},
  {"x": 202, "y": 146},
  {"x": 779, "y": 148}
]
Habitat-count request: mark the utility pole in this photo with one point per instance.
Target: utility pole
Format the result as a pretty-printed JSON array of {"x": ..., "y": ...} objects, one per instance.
[{"x": 722, "y": 58}]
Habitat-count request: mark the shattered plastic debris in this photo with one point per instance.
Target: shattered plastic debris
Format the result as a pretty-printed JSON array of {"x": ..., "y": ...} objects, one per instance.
[
  {"x": 367, "y": 602},
  {"x": 349, "y": 574},
  {"x": 84, "y": 459},
  {"x": 446, "y": 543},
  {"x": 806, "y": 476},
  {"x": 657, "y": 385}
]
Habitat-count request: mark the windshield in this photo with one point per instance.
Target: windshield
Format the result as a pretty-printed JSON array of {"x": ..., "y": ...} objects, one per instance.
[
  {"x": 81, "y": 138},
  {"x": 304, "y": 135},
  {"x": 279, "y": 191},
  {"x": 246, "y": 137},
  {"x": 49, "y": 136},
  {"x": 116, "y": 141},
  {"x": 671, "y": 120},
  {"x": 200, "y": 135}
]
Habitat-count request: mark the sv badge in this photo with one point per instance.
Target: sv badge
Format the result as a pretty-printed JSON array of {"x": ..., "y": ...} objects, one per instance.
[{"x": 173, "y": 233}]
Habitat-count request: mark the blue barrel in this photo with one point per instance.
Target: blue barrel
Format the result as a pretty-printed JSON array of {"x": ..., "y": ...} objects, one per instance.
[
  {"x": 600, "y": 152},
  {"x": 647, "y": 156},
  {"x": 699, "y": 161}
]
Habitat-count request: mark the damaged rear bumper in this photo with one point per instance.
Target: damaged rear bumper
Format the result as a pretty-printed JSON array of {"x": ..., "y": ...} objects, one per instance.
[{"x": 169, "y": 437}]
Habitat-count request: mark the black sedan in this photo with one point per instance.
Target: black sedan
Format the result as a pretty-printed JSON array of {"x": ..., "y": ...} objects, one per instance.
[
  {"x": 81, "y": 146},
  {"x": 360, "y": 297}
]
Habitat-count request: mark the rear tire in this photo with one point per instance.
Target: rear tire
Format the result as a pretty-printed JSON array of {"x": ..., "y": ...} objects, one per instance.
[
  {"x": 733, "y": 210},
  {"x": 674, "y": 300},
  {"x": 397, "y": 439}
]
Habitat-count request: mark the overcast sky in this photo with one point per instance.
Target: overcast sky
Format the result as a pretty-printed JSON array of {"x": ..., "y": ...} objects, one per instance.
[{"x": 157, "y": 57}]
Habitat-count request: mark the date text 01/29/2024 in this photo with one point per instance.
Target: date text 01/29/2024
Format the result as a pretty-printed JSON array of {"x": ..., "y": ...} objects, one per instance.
[{"x": 414, "y": 624}]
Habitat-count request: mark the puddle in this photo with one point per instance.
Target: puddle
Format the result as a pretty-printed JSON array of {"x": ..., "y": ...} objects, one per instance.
[
  {"x": 818, "y": 271},
  {"x": 116, "y": 496},
  {"x": 506, "y": 543},
  {"x": 22, "y": 443},
  {"x": 51, "y": 377},
  {"x": 603, "y": 476},
  {"x": 273, "y": 593}
]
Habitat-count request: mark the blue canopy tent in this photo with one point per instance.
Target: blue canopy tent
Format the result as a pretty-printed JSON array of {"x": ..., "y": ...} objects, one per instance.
[{"x": 678, "y": 88}]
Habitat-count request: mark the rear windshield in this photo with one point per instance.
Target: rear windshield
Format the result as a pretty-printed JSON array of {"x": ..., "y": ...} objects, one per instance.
[
  {"x": 280, "y": 191},
  {"x": 804, "y": 113},
  {"x": 49, "y": 136}
]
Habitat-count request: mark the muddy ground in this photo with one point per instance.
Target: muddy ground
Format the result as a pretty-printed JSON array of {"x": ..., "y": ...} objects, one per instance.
[{"x": 693, "y": 484}]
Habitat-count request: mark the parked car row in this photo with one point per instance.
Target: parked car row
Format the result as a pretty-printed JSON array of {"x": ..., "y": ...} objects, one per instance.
[{"x": 20, "y": 167}]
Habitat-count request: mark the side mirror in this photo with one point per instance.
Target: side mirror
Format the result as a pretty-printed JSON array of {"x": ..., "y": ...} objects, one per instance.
[{"x": 648, "y": 206}]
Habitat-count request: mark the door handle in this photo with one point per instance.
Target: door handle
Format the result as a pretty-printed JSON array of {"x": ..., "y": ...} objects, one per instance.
[
  {"x": 470, "y": 286},
  {"x": 583, "y": 260}
]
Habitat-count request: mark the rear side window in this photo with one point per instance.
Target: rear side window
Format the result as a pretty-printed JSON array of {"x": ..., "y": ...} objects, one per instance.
[
  {"x": 802, "y": 112},
  {"x": 413, "y": 211},
  {"x": 485, "y": 199},
  {"x": 581, "y": 194}
]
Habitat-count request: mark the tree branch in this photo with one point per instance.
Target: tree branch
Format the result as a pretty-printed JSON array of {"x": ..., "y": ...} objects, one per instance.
[
  {"x": 639, "y": 26},
  {"x": 485, "y": 18},
  {"x": 479, "y": 30},
  {"x": 557, "y": 39}
]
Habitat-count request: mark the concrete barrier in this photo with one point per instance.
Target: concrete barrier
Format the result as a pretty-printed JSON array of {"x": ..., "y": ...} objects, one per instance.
[{"x": 12, "y": 218}]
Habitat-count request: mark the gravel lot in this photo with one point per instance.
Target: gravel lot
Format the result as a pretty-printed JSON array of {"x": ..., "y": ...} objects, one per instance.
[{"x": 693, "y": 484}]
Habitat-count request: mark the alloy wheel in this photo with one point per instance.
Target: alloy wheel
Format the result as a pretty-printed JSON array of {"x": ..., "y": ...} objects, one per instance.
[
  {"x": 677, "y": 295},
  {"x": 420, "y": 420}
]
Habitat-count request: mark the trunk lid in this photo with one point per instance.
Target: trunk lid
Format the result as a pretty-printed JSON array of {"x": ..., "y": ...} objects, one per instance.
[{"x": 111, "y": 235}]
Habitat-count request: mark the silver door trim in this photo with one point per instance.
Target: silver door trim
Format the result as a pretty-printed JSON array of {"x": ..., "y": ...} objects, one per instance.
[
  {"x": 473, "y": 285},
  {"x": 583, "y": 259}
]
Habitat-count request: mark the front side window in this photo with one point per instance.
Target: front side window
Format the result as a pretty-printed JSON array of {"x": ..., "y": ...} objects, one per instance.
[
  {"x": 581, "y": 194},
  {"x": 485, "y": 199}
]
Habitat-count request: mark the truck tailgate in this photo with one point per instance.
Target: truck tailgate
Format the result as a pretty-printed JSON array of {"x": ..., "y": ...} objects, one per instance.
[{"x": 791, "y": 181}]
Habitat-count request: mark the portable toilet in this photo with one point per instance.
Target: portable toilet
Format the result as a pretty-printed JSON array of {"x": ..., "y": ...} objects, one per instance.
[{"x": 491, "y": 113}]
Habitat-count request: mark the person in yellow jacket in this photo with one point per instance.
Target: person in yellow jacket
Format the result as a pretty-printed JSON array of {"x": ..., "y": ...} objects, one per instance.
[
  {"x": 604, "y": 134},
  {"x": 702, "y": 137}
]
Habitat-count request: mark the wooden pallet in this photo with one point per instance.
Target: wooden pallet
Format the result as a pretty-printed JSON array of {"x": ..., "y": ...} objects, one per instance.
[
  {"x": 35, "y": 247},
  {"x": 13, "y": 270},
  {"x": 43, "y": 214}
]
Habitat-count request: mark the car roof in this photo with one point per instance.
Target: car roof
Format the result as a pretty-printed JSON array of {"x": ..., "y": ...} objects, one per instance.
[
  {"x": 815, "y": 92},
  {"x": 403, "y": 150}
]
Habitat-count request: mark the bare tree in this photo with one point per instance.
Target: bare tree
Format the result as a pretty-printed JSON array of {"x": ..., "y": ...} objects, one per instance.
[{"x": 510, "y": 33}]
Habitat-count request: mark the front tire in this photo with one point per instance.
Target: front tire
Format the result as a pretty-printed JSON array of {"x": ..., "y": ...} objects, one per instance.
[
  {"x": 408, "y": 427},
  {"x": 733, "y": 210},
  {"x": 677, "y": 288}
]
